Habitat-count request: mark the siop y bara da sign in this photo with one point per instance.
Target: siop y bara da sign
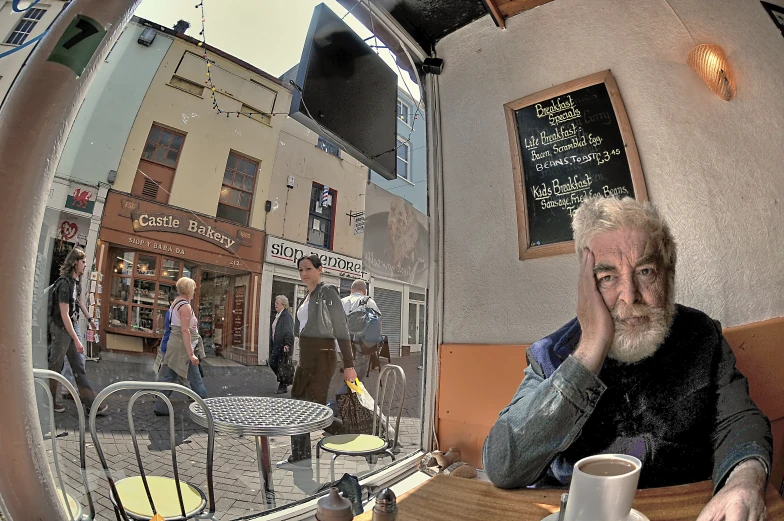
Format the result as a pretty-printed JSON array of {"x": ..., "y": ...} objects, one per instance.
[
  {"x": 162, "y": 222},
  {"x": 286, "y": 253}
]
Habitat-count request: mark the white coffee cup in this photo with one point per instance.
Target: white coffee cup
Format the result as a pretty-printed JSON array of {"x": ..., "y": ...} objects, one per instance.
[{"x": 596, "y": 496}]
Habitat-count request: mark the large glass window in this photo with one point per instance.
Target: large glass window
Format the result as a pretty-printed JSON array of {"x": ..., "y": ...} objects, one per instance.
[
  {"x": 29, "y": 20},
  {"x": 139, "y": 290},
  {"x": 323, "y": 201}
]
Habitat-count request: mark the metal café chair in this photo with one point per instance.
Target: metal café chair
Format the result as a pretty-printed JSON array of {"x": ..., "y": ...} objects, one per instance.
[
  {"x": 143, "y": 497},
  {"x": 72, "y": 506},
  {"x": 378, "y": 442}
]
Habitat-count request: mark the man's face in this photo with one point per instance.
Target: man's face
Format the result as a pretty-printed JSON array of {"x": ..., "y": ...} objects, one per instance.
[
  {"x": 635, "y": 287},
  {"x": 80, "y": 266}
]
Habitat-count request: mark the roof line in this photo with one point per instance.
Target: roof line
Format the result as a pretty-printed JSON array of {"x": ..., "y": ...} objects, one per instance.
[{"x": 214, "y": 50}]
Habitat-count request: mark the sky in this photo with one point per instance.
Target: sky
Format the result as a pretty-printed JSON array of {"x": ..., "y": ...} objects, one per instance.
[{"x": 269, "y": 34}]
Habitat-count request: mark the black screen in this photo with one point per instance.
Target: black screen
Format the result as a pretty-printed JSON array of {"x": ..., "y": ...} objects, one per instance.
[{"x": 349, "y": 95}]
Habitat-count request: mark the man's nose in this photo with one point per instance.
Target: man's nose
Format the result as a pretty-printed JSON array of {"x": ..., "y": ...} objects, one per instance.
[{"x": 630, "y": 293}]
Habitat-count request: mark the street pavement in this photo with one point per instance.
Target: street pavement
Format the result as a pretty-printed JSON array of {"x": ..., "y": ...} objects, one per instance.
[{"x": 236, "y": 476}]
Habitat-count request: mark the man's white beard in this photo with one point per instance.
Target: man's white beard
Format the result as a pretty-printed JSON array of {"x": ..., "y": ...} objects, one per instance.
[{"x": 633, "y": 343}]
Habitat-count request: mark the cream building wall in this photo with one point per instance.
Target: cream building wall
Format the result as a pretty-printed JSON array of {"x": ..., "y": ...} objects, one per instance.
[
  {"x": 209, "y": 136},
  {"x": 298, "y": 155},
  {"x": 12, "y": 63},
  {"x": 713, "y": 167}
]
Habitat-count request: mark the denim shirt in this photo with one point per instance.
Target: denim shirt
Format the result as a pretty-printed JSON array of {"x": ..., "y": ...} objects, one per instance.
[{"x": 685, "y": 412}]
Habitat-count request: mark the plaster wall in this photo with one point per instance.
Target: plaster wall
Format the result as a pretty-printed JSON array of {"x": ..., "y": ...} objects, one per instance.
[
  {"x": 712, "y": 167},
  {"x": 298, "y": 155}
]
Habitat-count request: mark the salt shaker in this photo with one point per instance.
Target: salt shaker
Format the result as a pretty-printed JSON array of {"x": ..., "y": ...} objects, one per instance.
[
  {"x": 386, "y": 506},
  {"x": 334, "y": 507}
]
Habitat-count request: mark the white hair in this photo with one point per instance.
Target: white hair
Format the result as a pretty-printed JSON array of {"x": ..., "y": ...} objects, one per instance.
[
  {"x": 283, "y": 299},
  {"x": 598, "y": 215}
]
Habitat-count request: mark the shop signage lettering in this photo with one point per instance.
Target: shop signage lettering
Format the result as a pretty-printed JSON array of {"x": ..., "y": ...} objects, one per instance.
[
  {"x": 156, "y": 246},
  {"x": 284, "y": 252},
  {"x": 149, "y": 222}
]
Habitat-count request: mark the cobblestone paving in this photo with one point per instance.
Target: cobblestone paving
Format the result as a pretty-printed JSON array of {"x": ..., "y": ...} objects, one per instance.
[{"x": 236, "y": 475}]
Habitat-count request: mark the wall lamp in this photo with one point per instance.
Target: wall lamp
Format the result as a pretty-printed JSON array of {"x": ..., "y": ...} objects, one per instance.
[{"x": 710, "y": 62}]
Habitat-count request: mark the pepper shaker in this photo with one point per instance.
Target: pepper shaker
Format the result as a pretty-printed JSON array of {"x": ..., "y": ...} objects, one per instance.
[
  {"x": 386, "y": 506},
  {"x": 334, "y": 507}
]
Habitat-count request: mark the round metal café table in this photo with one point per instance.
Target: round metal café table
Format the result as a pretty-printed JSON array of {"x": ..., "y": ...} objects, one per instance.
[{"x": 263, "y": 417}]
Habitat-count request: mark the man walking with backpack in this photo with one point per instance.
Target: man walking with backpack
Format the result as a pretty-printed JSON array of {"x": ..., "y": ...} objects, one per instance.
[
  {"x": 64, "y": 304},
  {"x": 364, "y": 324}
]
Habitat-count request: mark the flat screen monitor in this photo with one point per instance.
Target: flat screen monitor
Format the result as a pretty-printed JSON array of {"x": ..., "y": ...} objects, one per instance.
[{"x": 346, "y": 93}]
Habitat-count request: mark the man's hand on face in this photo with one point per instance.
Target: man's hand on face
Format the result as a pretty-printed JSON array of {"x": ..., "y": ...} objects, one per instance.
[
  {"x": 742, "y": 498},
  {"x": 595, "y": 319}
]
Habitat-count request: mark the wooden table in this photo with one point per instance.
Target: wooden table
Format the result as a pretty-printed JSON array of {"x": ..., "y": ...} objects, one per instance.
[{"x": 446, "y": 498}]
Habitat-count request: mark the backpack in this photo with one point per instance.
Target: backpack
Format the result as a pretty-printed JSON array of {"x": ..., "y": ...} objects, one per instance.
[
  {"x": 50, "y": 307},
  {"x": 365, "y": 324}
]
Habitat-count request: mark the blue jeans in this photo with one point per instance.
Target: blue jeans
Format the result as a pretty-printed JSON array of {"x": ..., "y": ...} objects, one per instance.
[
  {"x": 169, "y": 376},
  {"x": 67, "y": 372}
]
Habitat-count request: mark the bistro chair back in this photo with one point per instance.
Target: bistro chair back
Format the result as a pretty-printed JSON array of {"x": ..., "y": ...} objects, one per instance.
[
  {"x": 72, "y": 507},
  {"x": 142, "y": 497},
  {"x": 383, "y": 438}
]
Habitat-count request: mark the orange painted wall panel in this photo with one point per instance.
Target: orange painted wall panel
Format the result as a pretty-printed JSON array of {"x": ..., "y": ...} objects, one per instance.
[
  {"x": 759, "y": 350},
  {"x": 475, "y": 383}
]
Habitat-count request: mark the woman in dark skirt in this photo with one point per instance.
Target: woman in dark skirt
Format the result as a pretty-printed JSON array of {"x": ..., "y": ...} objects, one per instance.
[{"x": 317, "y": 358}]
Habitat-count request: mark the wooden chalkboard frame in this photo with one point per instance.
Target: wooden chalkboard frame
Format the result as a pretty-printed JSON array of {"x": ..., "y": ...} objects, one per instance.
[{"x": 633, "y": 157}]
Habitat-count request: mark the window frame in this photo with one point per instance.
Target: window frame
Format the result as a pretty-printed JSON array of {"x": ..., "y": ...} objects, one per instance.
[
  {"x": 28, "y": 22},
  {"x": 313, "y": 214},
  {"x": 408, "y": 119},
  {"x": 407, "y": 144},
  {"x": 129, "y": 303},
  {"x": 162, "y": 128},
  {"x": 326, "y": 145},
  {"x": 249, "y": 159}
]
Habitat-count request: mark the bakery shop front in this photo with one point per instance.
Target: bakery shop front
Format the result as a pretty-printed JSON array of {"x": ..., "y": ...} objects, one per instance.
[{"x": 145, "y": 247}]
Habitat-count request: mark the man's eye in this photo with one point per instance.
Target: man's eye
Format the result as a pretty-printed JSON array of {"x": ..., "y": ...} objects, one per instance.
[
  {"x": 606, "y": 279},
  {"x": 646, "y": 272}
]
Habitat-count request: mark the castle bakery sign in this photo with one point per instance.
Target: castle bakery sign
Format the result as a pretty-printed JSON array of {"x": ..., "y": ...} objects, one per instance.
[{"x": 163, "y": 222}]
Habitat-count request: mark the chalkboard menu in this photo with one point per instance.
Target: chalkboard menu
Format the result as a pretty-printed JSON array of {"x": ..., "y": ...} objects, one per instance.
[{"x": 569, "y": 142}]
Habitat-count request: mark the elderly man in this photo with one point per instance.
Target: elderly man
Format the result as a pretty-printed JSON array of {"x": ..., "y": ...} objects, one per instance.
[{"x": 636, "y": 374}]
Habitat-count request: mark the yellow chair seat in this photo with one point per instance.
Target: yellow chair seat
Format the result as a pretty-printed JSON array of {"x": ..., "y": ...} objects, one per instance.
[
  {"x": 76, "y": 508},
  {"x": 346, "y": 443},
  {"x": 164, "y": 494}
]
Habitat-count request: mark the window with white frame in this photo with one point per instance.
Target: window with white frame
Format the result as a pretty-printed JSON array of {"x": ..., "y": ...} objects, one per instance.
[
  {"x": 403, "y": 158},
  {"x": 404, "y": 111},
  {"x": 30, "y": 18}
]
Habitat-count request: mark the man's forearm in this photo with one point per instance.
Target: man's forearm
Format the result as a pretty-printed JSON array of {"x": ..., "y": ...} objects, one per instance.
[{"x": 543, "y": 420}]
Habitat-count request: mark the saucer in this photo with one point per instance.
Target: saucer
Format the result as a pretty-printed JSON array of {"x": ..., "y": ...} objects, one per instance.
[{"x": 634, "y": 515}]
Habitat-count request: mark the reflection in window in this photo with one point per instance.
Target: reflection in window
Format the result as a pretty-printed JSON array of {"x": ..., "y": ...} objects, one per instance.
[
  {"x": 239, "y": 180},
  {"x": 170, "y": 270},
  {"x": 123, "y": 262},
  {"x": 118, "y": 316},
  {"x": 144, "y": 292},
  {"x": 142, "y": 319},
  {"x": 146, "y": 265},
  {"x": 120, "y": 288}
]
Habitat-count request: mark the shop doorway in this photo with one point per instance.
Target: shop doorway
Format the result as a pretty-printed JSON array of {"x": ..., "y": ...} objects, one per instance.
[
  {"x": 59, "y": 253},
  {"x": 223, "y": 310},
  {"x": 291, "y": 290}
]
